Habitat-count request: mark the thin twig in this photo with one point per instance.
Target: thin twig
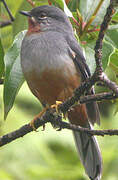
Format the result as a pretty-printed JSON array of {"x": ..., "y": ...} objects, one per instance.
[
  {"x": 5, "y": 23},
  {"x": 9, "y": 13},
  {"x": 111, "y": 85},
  {"x": 98, "y": 97}
]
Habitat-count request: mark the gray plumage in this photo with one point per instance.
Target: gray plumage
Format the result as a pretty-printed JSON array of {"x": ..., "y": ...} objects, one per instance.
[{"x": 58, "y": 42}]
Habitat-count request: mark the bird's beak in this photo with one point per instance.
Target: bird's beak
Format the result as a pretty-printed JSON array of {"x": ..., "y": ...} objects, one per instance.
[{"x": 25, "y": 13}]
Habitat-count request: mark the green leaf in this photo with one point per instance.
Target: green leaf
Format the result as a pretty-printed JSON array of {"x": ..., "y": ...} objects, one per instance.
[
  {"x": 6, "y": 33},
  {"x": 90, "y": 55},
  {"x": 61, "y": 4},
  {"x": 90, "y": 59},
  {"x": 115, "y": 17},
  {"x": 114, "y": 63},
  {"x": 13, "y": 73},
  {"x": 115, "y": 70},
  {"x": 114, "y": 58},
  {"x": 87, "y": 8},
  {"x": 1, "y": 60},
  {"x": 113, "y": 27},
  {"x": 107, "y": 50},
  {"x": 73, "y": 5},
  {"x": 101, "y": 13},
  {"x": 112, "y": 37}
]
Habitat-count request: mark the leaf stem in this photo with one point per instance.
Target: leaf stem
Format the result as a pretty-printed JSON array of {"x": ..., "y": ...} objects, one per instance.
[
  {"x": 92, "y": 17},
  {"x": 97, "y": 8}
]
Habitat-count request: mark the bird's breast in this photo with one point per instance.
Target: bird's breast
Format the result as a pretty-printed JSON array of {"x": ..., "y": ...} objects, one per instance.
[{"x": 48, "y": 70}]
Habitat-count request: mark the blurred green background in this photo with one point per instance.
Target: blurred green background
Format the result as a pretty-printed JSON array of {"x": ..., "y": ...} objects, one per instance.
[{"x": 49, "y": 154}]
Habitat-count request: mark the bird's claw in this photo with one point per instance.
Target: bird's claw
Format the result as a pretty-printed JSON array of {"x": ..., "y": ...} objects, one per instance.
[{"x": 56, "y": 106}]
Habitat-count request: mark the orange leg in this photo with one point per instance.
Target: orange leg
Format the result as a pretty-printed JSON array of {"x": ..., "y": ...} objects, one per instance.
[
  {"x": 44, "y": 110},
  {"x": 38, "y": 116}
]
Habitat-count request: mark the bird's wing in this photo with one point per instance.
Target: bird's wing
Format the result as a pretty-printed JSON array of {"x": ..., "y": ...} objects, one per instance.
[{"x": 82, "y": 67}]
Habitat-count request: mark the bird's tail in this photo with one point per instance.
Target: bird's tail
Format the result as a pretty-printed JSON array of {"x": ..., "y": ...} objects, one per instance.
[
  {"x": 90, "y": 155},
  {"x": 87, "y": 145}
]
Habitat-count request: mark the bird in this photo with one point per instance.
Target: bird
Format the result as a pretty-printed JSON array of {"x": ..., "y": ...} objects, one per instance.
[{"x": 53, "y": 65}]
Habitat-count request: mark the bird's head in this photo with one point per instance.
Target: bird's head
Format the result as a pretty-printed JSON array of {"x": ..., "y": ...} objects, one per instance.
[{"x": 47, "y": 17}]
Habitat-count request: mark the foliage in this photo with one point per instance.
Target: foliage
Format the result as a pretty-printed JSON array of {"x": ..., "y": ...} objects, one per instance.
[
  {"x": 89, "y": 15},
  {"x": 13, "y": 73}
]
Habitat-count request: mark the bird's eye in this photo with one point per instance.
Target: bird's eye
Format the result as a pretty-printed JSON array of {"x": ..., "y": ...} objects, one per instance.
[{"x": 42, "y": 16}]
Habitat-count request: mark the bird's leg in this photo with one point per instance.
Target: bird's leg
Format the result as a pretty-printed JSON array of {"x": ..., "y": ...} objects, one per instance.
[
  {"x": 38, "y": 116},
  {"x": 56, "y": 105}
]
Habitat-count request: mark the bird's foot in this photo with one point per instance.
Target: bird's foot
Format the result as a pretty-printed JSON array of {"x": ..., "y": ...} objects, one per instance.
[
  {"x": 56, "y": 106},
  {"x": 32, "y": 123}
]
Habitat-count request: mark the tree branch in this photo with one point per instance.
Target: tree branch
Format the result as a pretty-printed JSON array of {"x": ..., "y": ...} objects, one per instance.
[
  {"x": 9, "y": 22},
  {"x": 104, "y": 26},
  {"x": 99, "y": 74},
  {"x": 24, "y": 130},
  {"x": 55, "y": 120},
  {"x": 98, "y": 97},
  {"x": 111, "y": 85}
]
